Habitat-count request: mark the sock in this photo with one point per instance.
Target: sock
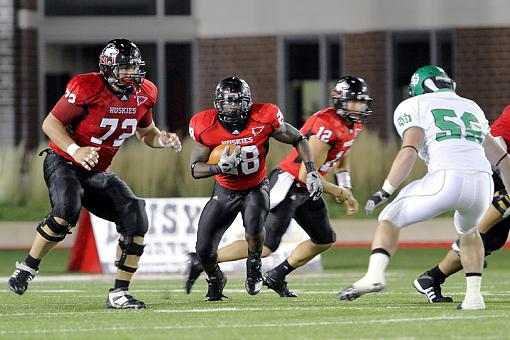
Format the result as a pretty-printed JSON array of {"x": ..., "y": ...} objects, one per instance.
[
  {"x": 377, "y": 265},
  {"x": 282, "y": 270},
  {"x": 32, "y": 262},
  {"x": 121, "y": 284},
  {"x": 436, "y": 273},
  {"x": 253, "y": 260},
  {"x": 473, "y": 283}
]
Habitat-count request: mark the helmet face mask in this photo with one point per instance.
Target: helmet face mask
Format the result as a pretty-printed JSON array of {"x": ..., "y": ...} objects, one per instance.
[
  {"x": 121, "y": 64},
  {"x": 428, "y": 79},
  {"x": 233, "y": 102},
  {"x": 351, "y": 100}
]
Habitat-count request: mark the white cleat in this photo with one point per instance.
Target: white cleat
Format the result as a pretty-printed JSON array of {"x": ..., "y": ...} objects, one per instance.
[
  {"x": 352, "y": 293},
  {"x": 472, "y": 303}
]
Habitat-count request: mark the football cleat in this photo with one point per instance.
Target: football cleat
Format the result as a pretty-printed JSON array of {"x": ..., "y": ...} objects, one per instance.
[
  {"x": 193, "y": 271},
  {"x": 19, "y": 280},
  {"x": 215, "y": 289},
  {"x": 279, "y": 286},
  {"x": 253, "y": 283},
  {"x": 472, "y": 303},
  {"x": 352, "y": 293},
  {"x": 121, "y": 299},
  {"x": 425, "y": 284}
]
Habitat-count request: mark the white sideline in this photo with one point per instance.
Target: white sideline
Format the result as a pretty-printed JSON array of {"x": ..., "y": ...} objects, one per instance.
[{"x": 261, "y": 325}]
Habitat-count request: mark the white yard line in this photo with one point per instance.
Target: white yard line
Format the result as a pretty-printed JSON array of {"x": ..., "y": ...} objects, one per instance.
[{"x": 125, "y": 328}]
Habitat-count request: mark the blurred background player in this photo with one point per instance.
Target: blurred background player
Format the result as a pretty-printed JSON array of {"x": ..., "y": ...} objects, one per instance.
[
  {"x": 493, "y": 227},
  {"x": 331, "y": 132},
  {"x": 450, "y": 134},
  {"x": 87, "y": 126},
  {"x": 241, "y": 184}
]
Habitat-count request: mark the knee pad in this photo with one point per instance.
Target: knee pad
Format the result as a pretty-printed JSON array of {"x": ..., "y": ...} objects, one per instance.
[
  {"x": 501, "y": 201},
  {"x": 128, "y": 247},
  {"x": 50, "y": 224},
  {"x": 135, "y": 221}
]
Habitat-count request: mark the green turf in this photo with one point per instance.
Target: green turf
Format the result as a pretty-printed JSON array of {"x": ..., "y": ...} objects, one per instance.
[{"x": 397, "y": 313}]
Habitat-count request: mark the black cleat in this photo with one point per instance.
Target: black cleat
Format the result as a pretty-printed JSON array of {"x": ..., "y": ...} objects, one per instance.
[
  {"x": 193, "y": 271},
  {"x": 253, "y": 283},
  {"x": 215, "y": 289},
  {"x": 19, "y": 280},
  {"x": 121, "y": 299},
  {"x": 425, "y": 284},
  {"x": 279, "y": 286}
]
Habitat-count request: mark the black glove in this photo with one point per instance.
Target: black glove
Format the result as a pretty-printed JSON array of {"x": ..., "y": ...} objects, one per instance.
[{"x": 375, "y": 200}]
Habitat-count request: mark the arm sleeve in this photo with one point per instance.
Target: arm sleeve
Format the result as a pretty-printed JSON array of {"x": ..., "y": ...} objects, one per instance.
[
  {"x": 501, "y": 127},
  {"x": 146, "y": 119},
  {"x": 406, "y": 116},
  {"x": 66, "y": 112}
]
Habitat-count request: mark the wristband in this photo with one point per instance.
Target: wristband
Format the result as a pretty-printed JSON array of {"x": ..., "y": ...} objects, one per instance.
[
  {"x": 309, "y": 166},
  {"x": 343, "y": 179},
  {"x": 71, "y": 149},
  {"x": 388, "y": 187}
]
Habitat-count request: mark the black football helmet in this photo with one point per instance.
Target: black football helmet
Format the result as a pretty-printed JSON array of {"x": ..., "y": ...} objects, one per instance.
[
  {"x": 351, "y": 88},
  {"x": 233, "y": 102},
  {"x": 121, "y": 53}
]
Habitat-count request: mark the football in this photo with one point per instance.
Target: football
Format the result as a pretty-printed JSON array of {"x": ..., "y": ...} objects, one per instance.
[{"x": 215, "y": 154}]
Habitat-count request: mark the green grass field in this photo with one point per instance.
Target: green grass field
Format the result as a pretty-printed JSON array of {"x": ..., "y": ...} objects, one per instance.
[{"x": 54, "y": 308}]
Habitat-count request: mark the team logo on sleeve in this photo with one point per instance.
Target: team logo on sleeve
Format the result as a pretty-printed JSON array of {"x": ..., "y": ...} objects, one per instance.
[
  {"x": 404, "y": 119},
  {"x": 257, "y": 130},
  {"x": 140, "y": 100}
]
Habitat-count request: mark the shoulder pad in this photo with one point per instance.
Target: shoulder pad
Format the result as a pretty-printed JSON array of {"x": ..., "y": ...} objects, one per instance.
[
  {"x": 151, "y": 90},
  {"x": 200, "y": 122},
  {"x": 83, "y": 87}
]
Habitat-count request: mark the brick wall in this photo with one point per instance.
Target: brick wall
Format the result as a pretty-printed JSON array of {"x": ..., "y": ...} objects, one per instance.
[
  {"x": 7, "y": 57},
  {"x": 252, "y": 58},
  {"x": 482, "y": 67},
  {"x": 365, "y": 56}
]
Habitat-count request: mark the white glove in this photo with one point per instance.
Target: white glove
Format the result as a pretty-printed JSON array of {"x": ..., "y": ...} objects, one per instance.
[
  {"x": 314, "y": 185},
  {"x": 228, "y": 164}
]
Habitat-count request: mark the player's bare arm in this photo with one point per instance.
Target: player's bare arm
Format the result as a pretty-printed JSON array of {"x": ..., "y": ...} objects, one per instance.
[
  {"x": 400, "y": 169},
  {"x": 154, "y": 138},
  {"x": 288, "y": 134},
  {"x": 87, "y": 156},
  {"x": 343, "y": 180}
]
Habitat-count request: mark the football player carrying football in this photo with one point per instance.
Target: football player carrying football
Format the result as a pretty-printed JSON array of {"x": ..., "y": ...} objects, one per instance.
[
  {"x": 87, "y": 126},
  {"x": 451, "y": 134},
  {"x": 241, "y": 183},
  {"x": 493, "y": 227},
  {"x": 331, "y": 132}
]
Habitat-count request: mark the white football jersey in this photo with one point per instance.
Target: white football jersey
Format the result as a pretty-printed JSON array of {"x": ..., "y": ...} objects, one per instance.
[{"x": 454, "y": 130}]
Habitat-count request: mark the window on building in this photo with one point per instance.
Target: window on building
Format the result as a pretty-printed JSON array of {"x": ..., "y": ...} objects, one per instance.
[
  {"x": 100, "y": 7},
  {"x": 312, "y": 67},
  {"x": 413, "y": 50},
  {"x": 177, "y": 7},
  {"x": 178, "y": 85},
  {"x": 65, "y": 61}
]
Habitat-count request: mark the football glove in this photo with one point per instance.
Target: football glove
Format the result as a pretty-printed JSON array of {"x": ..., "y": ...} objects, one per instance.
[
  {"x": 228, "y": 163},
  {"x": 314, "y": 185},
  {"x": 376, "y": 200}
]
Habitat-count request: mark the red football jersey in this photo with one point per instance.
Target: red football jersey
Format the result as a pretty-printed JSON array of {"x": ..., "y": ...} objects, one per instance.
[
  {"x": 501, "y": 126},
  {"x": 264, "y": 118},
  {"x": 330, "y": 128},
  {"x": 95, "y": 116}
]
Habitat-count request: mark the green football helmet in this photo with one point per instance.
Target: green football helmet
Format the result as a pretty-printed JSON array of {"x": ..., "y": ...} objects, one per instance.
[{"x": 429, "y": 79}]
